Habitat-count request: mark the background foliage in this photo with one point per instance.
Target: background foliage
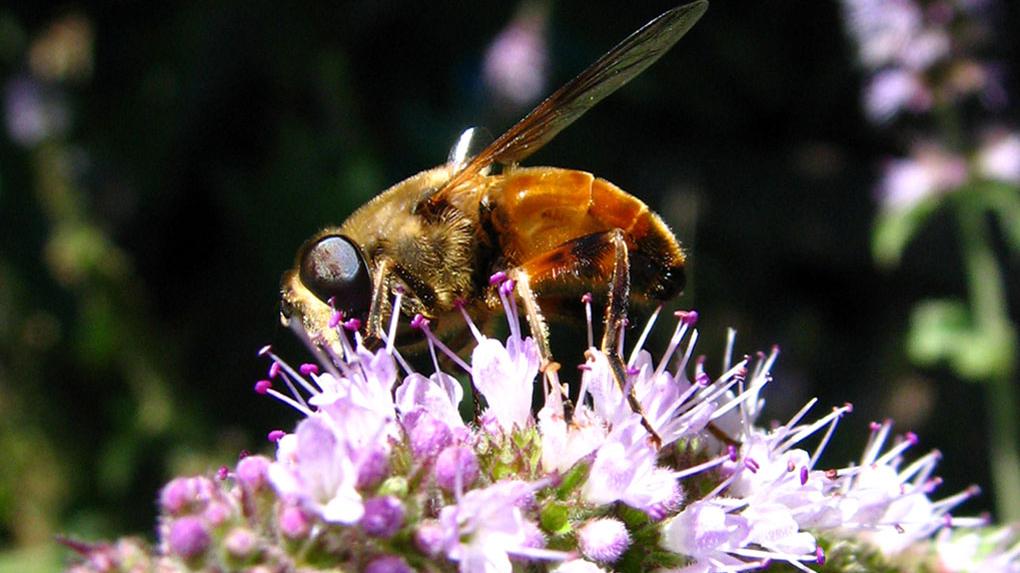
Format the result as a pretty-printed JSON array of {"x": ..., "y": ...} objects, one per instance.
[{"x": 141, "y": 240}]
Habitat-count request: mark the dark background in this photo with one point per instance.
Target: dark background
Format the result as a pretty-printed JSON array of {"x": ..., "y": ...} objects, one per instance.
[{"x": 213, "y": 138}]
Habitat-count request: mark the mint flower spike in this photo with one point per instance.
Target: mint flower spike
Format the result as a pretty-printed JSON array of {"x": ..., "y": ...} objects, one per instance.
[{"x": 381, "y": 474}]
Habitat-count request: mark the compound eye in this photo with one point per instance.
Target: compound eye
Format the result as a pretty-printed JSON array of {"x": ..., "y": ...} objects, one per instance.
[{"x": 334, "y": 268}]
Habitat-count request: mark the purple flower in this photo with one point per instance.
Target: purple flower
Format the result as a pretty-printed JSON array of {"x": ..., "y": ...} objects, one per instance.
[
  {"x": 603, "y": 540},
  {"x": 34, "y": 111},
  {"x": 895, "y": 90},
  {"x": 995, "y": 550},
  {"x": 485, "y": 527},
  {"x": 883, "y": 28},
  {"x": 379, "y": 465},
  {"x": 931, "y": 170},
  {"x": 516, "y": 61},
  {"x": 318, "y": 467},
  {"x": 999, "y": 157},
  {"x": 505, "y": 375}
]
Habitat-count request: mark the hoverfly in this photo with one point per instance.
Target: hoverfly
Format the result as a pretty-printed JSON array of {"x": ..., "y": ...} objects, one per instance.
[{"x": 438, "y": 236}]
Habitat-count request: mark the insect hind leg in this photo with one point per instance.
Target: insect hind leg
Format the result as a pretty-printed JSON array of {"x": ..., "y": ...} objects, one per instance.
[
  {"x": 592, "y": 258},
  {"x": 616, "y": 320}
]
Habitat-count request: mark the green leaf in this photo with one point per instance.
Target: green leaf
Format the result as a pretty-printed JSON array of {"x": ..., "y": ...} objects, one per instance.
[
  {"x": 942, "y": 331},
  {"x": 1004, "y": 200},
  {"x": 937, "y": 327},
  {"x": 573, "y": 479},
  {"x": 986, "y": 353},
  {"x": 894, "y": 228}
]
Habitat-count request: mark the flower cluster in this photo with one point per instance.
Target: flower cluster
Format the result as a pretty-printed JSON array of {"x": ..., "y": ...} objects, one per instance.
[
  {"x": 382, "y": 474},
  {"x": 927, "y": 60},
  {"x": 920, "y": 54},
  {"x": 922, "y": 58}
]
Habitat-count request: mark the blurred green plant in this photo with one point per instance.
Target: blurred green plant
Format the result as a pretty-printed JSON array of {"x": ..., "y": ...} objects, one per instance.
[
  {"x": 924, "y": 62},
  {"x": 92, "y": 312}
]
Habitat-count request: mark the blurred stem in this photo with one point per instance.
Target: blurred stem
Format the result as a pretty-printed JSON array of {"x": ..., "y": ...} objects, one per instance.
[{"x": 988, "y": 303}]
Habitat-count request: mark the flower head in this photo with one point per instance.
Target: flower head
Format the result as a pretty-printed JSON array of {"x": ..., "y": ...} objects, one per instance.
[{"x": 380, "y": 474}]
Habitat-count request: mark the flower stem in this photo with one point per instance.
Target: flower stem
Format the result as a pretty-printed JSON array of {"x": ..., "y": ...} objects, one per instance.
[{"x": 989, "y": 307}]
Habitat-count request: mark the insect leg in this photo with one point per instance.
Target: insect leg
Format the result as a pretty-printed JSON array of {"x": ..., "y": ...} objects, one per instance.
[
  {"x": 380, "y": 300},
  {"x": 591, "y": 258},
  {"x": 586, "y": 258},
  {"x": 616, "y": 317}
]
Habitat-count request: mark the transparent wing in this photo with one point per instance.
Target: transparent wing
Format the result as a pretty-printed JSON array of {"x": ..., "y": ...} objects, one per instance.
[{"x": 617, "y": 67}]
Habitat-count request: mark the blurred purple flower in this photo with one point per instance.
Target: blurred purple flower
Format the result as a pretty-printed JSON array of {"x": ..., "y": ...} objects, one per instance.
[
  {"x": 516, "y": 61},
  {"x": 999, "y": 157},
  {"x": 929, "y": 171},
  {"x": 883, "y": 29},
  {"x": 34, "y": 111},
  {"x": 894, "y": 90}
]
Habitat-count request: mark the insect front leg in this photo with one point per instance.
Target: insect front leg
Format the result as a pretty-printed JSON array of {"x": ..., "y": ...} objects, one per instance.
[{"x": 380, "y": 300}]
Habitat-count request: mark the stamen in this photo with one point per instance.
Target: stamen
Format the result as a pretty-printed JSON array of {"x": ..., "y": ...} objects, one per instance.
[
  {"x": 703, "y": 466},
  {"x": 731, "y": 338},
  {"x": 895, "y": 451},
  {"x": 421, "y": 322},
  {"x": 792, "y": 559},
  {"x": 394, "y": 316},
  {"x": 586, "y": 299},
  {"x": 510, "y": 285},
  {"x": 679, "y": 331},
  {"x": 837, "y": 415},
  {"x": 682, "y": 365},
  {"x": 644, "y": 335},
  {"x": 922, "y": 467},
  {"x": 786, "y": 428},
  {"x": 289, "y": 373},
  {"x": 467, "y": 318},
  {"x": 333, "y": 361},
  {"x": 878, "y": 436},
  {"x": 404, "y": 365},
  {"x": 506, "y": 289}
]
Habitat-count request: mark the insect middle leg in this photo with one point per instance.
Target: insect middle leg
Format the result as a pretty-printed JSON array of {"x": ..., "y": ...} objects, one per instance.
[{"x": 591, "y": 258}]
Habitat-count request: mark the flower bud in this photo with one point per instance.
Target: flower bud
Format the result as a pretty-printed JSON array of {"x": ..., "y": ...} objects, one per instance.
[
  {"x": 388, "y": 564},
  {"x": 240, "y": 543},
  {"x": 373, "y": 469},
  {"x": 603, "y": 540},
  {"x": 188, "y": 538},
  {"x": 252, "y": 472},
  {"x": 383, "y": 517},
  {"x": 186, "y": 494},
  {"x": 294, "y": 523},
  {"x": 456, "y": 462},
  {"x": 429, "y": 537},
  {"x": 427, "y": 435}
]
